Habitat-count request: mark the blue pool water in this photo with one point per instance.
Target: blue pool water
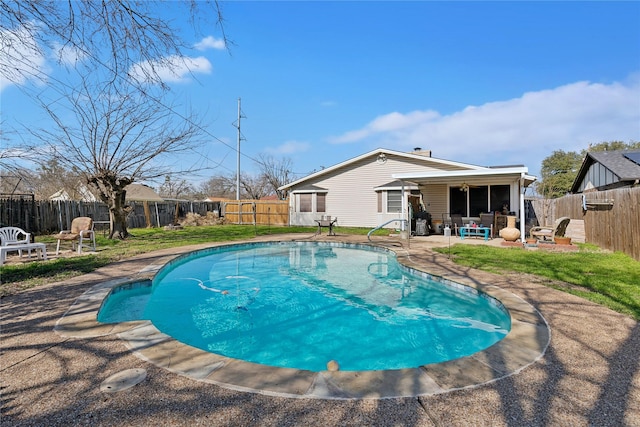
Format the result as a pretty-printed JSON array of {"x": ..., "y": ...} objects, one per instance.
[{"x": 300, "y": 305}]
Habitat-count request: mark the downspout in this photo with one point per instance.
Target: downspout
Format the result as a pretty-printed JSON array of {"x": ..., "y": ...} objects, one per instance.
[{"x": 521, "y": 190}]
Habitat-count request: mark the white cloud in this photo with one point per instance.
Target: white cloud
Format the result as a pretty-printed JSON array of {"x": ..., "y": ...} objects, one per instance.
[
  {"x": 174, "y": 69},
  {"x": 210, "y": 42},
  {"x": 523, "y": 130},
  {"x": 21, "y": 58},
  {"x": 290, "y": 147}
]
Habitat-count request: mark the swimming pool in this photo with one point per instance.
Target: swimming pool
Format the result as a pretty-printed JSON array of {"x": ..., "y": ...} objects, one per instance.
[{"x": 301, "y": 305}]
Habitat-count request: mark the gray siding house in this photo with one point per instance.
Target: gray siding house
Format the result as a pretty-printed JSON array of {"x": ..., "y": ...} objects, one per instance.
[
  {"x": 383, "y": 185},
  {"x": 605, "y": 170}
]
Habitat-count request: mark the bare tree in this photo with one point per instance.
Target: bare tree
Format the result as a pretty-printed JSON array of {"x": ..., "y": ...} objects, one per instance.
[
  {"x": 121, "y": 127},
  {"x": 219, "y": 186},
  {"x": 253, "y": 187},
  {"x": 118, "y": 136},
  {"x": 276, "y": 173},
  {"x": 111, "y": 34},
  {"x": 171, "y": 189}
]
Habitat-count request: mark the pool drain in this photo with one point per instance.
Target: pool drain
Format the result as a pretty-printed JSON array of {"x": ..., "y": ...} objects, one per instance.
[{"x": 123, "y": 380}]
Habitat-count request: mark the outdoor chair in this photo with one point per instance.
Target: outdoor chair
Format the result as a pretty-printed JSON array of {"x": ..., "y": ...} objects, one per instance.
[
  {"x": 548, "y": 232},
  {"x": 81, "y": 232},
  {"x": 14, "y": 236},
  {"x": 486, "y": 220},
  {"x": 14, "y": 239},
  {"x": 326, "y": 221}
]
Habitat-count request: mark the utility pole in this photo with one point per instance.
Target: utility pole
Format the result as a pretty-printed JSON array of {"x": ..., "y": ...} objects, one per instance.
[{"x": 240, "y": 138}]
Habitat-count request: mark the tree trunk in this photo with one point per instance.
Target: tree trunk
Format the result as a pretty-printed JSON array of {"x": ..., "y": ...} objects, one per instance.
[
  {"x": 147, "y": 213},
  {"x": 118, "y": 213},
  {"x": 111, "y": 191}
]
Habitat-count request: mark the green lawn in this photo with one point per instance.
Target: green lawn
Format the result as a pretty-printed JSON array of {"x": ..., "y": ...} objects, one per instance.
[{"x": 610, "y": 279}]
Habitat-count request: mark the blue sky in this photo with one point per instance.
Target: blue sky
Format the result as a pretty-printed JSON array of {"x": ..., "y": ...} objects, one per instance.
[{"x": 487, "y": 83}]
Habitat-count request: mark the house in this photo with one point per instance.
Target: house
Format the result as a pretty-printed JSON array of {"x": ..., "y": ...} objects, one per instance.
[
  {"x": 81, "y": 193},
  {"x": 141, "y": 193},
  {"x": 606, "y": 170},
  {"x": 385, "y": 185}
]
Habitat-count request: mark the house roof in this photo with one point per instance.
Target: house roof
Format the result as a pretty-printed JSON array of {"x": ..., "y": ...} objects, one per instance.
[
  {"x": 396, "y": 185},
  {"x": 417, "y": 155},
  {"x": 311, "y": 189},
  {"x": 446, "y": 176},
  {"x": 623, "y": 163},
  {"x": 142, "y": 193}
]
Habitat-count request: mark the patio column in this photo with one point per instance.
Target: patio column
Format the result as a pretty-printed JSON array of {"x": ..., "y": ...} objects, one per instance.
[
  {"x": 521, "y": 191},
  {"x": 404, "y": 206}
]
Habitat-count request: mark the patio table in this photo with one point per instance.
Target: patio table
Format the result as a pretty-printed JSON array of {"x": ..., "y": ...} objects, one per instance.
[
  {"x": 474, "y": 231},
  {"x": 40, "y": 248}
]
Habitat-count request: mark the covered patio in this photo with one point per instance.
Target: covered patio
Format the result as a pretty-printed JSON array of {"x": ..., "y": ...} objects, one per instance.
[{"x": 470, "y": 191}]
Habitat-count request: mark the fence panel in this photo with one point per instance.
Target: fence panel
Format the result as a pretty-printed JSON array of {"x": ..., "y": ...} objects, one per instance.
[
  {"x": 48, "y": 216},
  {"x": 262, "y": 212},
  {"x": 611, "y": 218}
]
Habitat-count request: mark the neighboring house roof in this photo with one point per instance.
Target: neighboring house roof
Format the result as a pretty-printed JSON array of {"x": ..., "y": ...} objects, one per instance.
[
  {"x": 624, "y": 164},
  {"x": 84, "y": 195},
  {"x": 142, "y": 193}
]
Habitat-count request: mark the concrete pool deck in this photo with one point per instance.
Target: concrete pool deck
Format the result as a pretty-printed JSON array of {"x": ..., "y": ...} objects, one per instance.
[{"x": 589, "y": 374}]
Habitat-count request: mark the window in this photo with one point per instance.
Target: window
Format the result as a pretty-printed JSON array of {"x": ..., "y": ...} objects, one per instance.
[
  {"x": 394, "y": 201},
  {"x": 478, "y": 199},
  {"x": 457, "y": 201},
  {"x": 499, "y": 197},
  {"x": 305, "y": 202},
  {"x": 321, "y": 199}
]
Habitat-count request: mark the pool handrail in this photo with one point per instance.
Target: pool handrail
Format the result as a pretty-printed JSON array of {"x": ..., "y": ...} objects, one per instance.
[{"x": 382, "y": 225}]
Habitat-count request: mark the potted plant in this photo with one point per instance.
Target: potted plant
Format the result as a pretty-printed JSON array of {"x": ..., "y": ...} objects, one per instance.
[{"x": 562, "y": 240}]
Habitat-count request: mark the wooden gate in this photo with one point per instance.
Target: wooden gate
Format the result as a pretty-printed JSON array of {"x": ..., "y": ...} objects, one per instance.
[{"x": 257, "y": 212}]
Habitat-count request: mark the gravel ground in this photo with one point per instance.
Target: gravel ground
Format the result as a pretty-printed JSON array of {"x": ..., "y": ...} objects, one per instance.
[{"x": 589, "y": 375}]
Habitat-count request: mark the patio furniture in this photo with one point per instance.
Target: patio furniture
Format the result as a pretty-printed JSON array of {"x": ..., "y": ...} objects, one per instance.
[
  {"x": 81, "y": 231},
  {"x": 15, "y": 239},
  {"x": 40, "y": 248},
  {"x": 14, "y": 236},
  {"x": 468, "y": 231},
  {"x": 499, "y": 222},
  {"x": 548, "y": 232},
  {"x": 486, "y": 220},
  {"x": 326, "y": 221}
]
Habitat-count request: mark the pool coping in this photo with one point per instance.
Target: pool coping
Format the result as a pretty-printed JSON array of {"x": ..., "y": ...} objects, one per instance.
[{"x": 524, "y": 345}]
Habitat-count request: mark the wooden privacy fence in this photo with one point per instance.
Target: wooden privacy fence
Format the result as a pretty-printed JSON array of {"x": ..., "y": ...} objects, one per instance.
[
  {"x": 611, "y": 218},
  {"x": 47, "y": 216},
  {"x": 257, "y": 212}
]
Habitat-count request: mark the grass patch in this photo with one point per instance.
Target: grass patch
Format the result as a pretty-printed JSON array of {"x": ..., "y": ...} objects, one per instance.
[
  {"x": 610, "y": 279},
  {"x": 17, "y": 277}
]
